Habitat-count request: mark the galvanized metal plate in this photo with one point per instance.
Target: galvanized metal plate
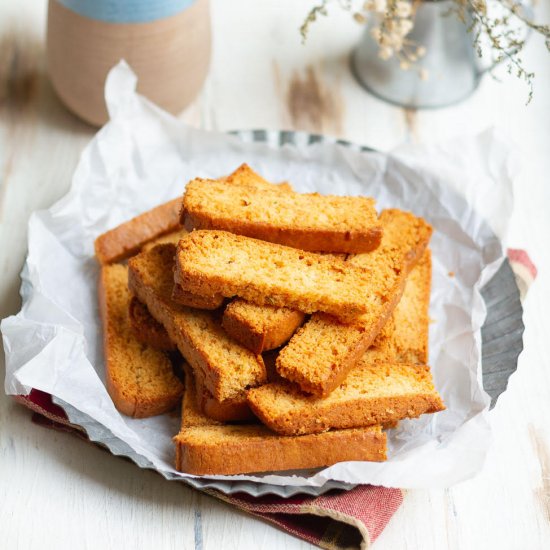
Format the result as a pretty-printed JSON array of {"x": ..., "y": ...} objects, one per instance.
[{"x": 501, "y": 345}]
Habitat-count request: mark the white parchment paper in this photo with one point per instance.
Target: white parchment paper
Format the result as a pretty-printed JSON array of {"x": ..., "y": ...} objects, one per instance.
[{"x": 143, "y": 157}]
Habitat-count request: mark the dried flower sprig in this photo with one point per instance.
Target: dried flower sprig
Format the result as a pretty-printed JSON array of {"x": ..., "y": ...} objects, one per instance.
[
  {"x": 394, "y": 21},
  {"x": 499, "y": 25}
]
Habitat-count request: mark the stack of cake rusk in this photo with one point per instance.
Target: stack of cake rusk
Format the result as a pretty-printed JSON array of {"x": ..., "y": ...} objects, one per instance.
[{"x": 291, "y": 327}]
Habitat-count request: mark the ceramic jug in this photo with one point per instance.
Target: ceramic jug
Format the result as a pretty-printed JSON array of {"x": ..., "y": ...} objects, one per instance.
[{"x": 166, "y": 42}]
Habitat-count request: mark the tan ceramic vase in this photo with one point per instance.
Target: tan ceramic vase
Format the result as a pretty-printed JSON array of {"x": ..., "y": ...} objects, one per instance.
[{"x": 169, "y": 52}]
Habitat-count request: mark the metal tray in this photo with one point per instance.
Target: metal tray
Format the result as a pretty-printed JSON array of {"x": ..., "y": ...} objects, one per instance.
[{"x": 502, "y": 342}]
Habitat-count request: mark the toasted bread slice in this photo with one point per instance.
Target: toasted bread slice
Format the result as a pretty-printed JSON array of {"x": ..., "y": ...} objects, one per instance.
[
  {"x": 169, "y": 238},
  {"x": 235, "y": 409},
  {"x": 241, "y": 449},
  {"x": 206, "y": 447},
  {"x": 405, "y": 231},
  {"x": 370, "y": 394},
  {"x": 126, "y": 239},
  {"x": 322, "y": 352},
  {"x": 210, "y": 262},
  {"x": 318, "y": 223},
  {"x": 146, "y": 328},
  {"x": 139, "y": 379},
  {"x": 161, "y": 224},
  {"x": 227, "y": 367},
  {"x": 244, "y": 175},
  {"x": 260, "y": 328},
  {"x": 180, "y": 296},
  {"x": 191, "y": 413},
  {"x": 231, "y": 410},
  {"x": 186, "y": 298},
  {"x": 405, "y": 338}
]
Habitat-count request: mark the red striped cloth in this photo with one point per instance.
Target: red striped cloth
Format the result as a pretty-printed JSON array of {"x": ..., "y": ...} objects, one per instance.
[{"x": 335, "y": 520}]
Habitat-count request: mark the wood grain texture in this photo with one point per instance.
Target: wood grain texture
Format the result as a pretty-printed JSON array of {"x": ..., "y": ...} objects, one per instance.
[
  {"x": 76, "y": 492},
  {"x": 314, "y": 105}
]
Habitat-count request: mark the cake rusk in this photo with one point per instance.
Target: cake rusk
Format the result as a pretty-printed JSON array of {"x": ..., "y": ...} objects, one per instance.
[
  {"x": 168, "y": 238},
  {"x": 313, "y": 222},
  {"x": 404, "y": 339},
  {"x": 139, "y": 379},
  {"x": 322, "y": 352},
  {"x": 191, "y": 413},
  {"x": 210, "y": 262},
  {"x": 206, "y": 447},
  {"x": 244, "y": 175},
  {"x": 162, "y": 223},
  {"x": 228, "y": 367},
  {"x": 371, "y": 394},
  {"x": 146, "y": 328},
  {"x": 129, "y": 237},
  {"x": 260, "y": 328},
  {"x": 404, "y": 230},
  {"x": 235, "y": 409},
  {"x": 186, "y": 298},
  {"x": 179, "y": 295}
]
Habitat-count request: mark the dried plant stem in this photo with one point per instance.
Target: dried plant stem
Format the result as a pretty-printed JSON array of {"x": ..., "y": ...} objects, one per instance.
[{"x": 395, "y": 19}]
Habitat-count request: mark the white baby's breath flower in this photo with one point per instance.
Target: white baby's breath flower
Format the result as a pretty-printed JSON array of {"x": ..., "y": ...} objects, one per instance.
[
  {"x": 423, "y": 73},
  {"x": 403, "y": 26},
  {"x": 392, "y": 26},
  {"x": 480, "y": 6},
  {"x": 395, "y": 41},
  {"x": 376, "y": 33},
  {"x": 380, "y": 6},
  {"x": 385, "y": 52},
  {"x": 394, "y": 20},
  {"x": 403, "y": 9}
]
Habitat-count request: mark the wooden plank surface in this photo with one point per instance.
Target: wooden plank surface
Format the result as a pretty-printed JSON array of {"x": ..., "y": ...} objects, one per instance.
[{"x": 262, "y": 77}]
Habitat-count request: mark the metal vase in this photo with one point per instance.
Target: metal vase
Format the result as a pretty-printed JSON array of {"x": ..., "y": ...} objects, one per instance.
[{"x": 451, "y": 67}]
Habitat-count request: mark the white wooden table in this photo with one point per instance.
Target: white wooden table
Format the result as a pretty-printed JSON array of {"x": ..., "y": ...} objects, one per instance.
[{"x": 57, "y": 492}]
